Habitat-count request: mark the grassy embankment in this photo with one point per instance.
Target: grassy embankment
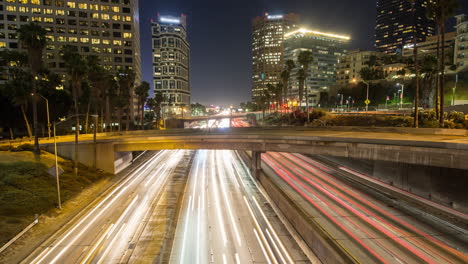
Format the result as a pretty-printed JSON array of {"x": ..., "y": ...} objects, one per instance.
[{"x": 27, "y": 189}]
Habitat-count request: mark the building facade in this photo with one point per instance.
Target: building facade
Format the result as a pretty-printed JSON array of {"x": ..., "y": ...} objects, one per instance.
[
  {"x": 429, "y": 47},
  {"x": 395, "y": 25},
  {"x": 267, "y": 49},
  {"x": 327, "y": 49},
  {"x": 350, "y": 65},
  {"x": 171, "y": 63},
  {"x": 461, "y": 42},
  {"x": 108, "y": 29}
]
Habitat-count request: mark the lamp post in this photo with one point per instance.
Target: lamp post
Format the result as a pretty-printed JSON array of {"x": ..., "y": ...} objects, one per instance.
[
  {"x": 47, "y": 108},
  {"x": 401, "y": 95},
  {"x": 57, "y": 170},
  {"x": 454, "y": 88},
  {"x": 367, "y": 94}
]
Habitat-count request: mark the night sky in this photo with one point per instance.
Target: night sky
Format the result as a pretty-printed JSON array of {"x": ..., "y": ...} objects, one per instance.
[{"x": 220, "y": 37}]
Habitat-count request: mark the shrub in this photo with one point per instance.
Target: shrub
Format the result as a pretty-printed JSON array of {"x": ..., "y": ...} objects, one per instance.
[
  {"x": 317, "y": 114},
  {"x": 456, "y": 117},
  {"x": 23, "y": 147}
]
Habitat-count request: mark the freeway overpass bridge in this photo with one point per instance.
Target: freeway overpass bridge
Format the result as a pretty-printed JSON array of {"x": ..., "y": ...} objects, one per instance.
[{"x": 427, "y": 147}]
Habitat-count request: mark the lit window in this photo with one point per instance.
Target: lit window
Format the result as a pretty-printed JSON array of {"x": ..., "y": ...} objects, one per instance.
[
  {"x": 2, "y": 44},
  {"x": 36, "y": 19},
  {"x": 73, "y": 39},
  {"x": 127, "y": 18},
  {"x": 95, "y": 41},
  {"x": 35, "y": 10},
  {"x": 118, "y": 42},
  {"x": 60, "y": 12},
  {"x": 84, "y": 40},
  {"x": 82, "y": 6},
  {"x": 36, "y": 2},
  {"x": 71, "y": 4},
  {"x": 11, "y": 8},
  {"x": 48, "y": 20},
  {"x": 95, "y": 15},
  {"x": 106, "y": 42},
  {"x": 23, "y": 9},
  {"x": 93, "y": 7},
  {"x": 23, "y": 1},
  {"x": 48, "y": 11},
  {"x": 11, "y": 1},
  {"x": 104, "y": 8},
  {"x": 105, "y": 16},
  {"x": 127, "y": 35},
  {"x": 116, "y": 17},
  {"x": 116, "y": 9}
]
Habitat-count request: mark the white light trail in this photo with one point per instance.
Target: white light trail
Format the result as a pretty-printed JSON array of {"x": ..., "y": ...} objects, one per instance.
[
  {"x": 217, "y": 202},
  {"x": 185, "y": 231},
  {"x": 110, "y": 245},
  {"x": 262, "y": 247}
]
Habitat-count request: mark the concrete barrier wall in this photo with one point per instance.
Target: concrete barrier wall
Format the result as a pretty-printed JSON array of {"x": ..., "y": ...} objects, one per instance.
[{"x": 318, "y": 240}]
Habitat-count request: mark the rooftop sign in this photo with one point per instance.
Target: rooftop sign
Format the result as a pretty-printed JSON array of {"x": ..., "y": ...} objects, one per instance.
[
  {"x": 306, "y": 31},
  {"x": 169, "y": 20},
  {"x": 271, "y": 17}
]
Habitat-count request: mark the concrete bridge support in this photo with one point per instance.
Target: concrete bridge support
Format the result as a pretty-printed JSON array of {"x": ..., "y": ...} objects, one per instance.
[{"x": 256, "y": 163}]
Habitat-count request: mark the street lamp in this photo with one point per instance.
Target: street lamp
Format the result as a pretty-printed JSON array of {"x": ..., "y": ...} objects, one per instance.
[
  {"x": 401, "y": 95},
  {"x": 47, "y": 107},
  {"x": 367, "y": 93}
]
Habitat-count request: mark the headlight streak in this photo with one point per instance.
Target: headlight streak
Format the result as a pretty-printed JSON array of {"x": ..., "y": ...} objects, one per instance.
[
  {"x": 274, "y": 245},
  {"x": 217, "y": 201},
  {"x": 185, "y": 231},
  {"x": 270, "y": 252},
  {"x": 221, "y": 175},
  {"x": 122, "y": 186},
  {"x": 110, "y": 245},
  {"x": 261, "y": 246},
  {"x": 91, "y": 252},
  {"x": 274, "y": 232}
]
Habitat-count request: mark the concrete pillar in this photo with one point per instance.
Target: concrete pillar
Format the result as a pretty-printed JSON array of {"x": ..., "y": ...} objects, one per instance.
[{"x": 256, "y": 163}]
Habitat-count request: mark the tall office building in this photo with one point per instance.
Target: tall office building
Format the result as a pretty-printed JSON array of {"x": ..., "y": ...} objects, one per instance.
[
  {"x": 267, "y": 49},
  {"x": 327, "y": 49},
  {"x": 171, "y": 62},
  {"x": 395, "y": 25},
  {"x": 461, "y": 42},
  {"x": 107, "y": 28}
]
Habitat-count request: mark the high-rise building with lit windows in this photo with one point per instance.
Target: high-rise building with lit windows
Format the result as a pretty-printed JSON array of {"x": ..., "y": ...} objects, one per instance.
[
  {"x": 267, "y": 49},
  {"x": 171, "y": 63},
  {"x": 395, "y": 25},
  {"x": 106, "y": 28},
  {"x": 327, "y": 49}
]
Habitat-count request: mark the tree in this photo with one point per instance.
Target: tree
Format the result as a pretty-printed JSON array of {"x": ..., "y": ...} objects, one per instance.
[
  {"x": 199, "y": 109},
  {"x": 126, "y": 79},
  {"x": 440, "y": 11},
  {"x": 33, "y": 38},
  {"x": 155, "y": 105},
  {"x": 415, "y": 60},
  {"x": 18, "y": 87},
  {"x": 77, "y": 69},
  {"x": 428, "y": 70},
  {"x": 301, "y": 76},
  {"x": 304, "y": 58},
  {"x": 141, "y": 92},
  {"x": 285, "y": 75},
  {"x": 97, "y": 77}
]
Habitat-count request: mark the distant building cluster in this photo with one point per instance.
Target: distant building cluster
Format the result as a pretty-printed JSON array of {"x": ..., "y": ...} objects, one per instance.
[{"x": 279, "y": 38}]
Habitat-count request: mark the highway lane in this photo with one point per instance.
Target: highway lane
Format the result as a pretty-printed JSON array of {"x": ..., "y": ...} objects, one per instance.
[
  {"x": 225, "y": 218},
  {"x": 367, "y": 228},
  {"x": 103, "y": 233}
]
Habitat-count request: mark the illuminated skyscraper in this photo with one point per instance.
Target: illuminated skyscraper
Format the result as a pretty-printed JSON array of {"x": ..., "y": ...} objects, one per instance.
[
  {"x": 327, "y": 49},
  {"x": 171, "y": 62},
  {"x": 107, "y": 29},
  {"x": 395, "y": 25},
  {"x": 267, "y": 49}
]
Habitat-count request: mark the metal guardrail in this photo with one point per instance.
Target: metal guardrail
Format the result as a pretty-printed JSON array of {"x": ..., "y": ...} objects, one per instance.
[{"x": 4, "y": 247}]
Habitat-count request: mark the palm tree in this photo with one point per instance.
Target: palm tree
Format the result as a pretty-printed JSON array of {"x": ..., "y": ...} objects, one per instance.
[
  {"x": 440, "y": 11},
  {"x": 96, "y": 77},
  {"x": 304, "y": 58},
  {"x": 141, "y": 92},
  {"x": 77, "y": 69},
  {"x": 126, "y": 80},
  {"x": 301, "y": 76},
  {"x": 428, "y": 70},
  {"x": 155, "y": 105},
  {"x": 18, "y": 86},
  {"x": 285, "y": 75},
  {"x": 33, "y": 38},
  {"x": 416, "y": 66}
]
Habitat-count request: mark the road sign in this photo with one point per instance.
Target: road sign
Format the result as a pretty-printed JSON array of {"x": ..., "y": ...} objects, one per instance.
[
  {"x": 367, "y": 101},
  {"x": 51, "y": 171}
]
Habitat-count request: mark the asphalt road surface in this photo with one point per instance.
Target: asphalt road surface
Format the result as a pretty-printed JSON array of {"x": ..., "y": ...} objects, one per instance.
[
  {"x": 370, "y": 230},
  {"x": 103, "y": 233},
  {"x": 226, "y": 219}
]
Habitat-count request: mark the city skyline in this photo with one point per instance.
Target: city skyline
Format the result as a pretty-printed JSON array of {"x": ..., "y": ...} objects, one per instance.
[{"x": 228, "y": 81}]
